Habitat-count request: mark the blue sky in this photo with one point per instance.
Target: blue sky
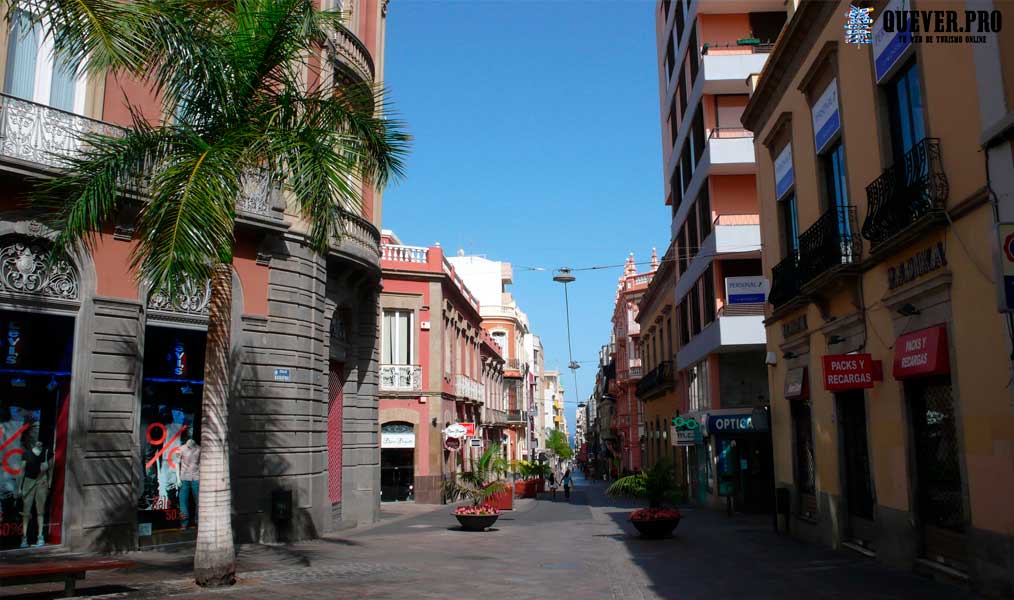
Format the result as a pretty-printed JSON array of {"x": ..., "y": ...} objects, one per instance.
[{"x": 536, "y": 142}]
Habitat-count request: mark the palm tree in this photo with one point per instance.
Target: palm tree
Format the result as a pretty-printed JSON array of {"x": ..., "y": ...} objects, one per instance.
[
  {"x": 482, "y": 482},
  {"x": 656, "y": 485},
  {"x": 232, "y": 75}
]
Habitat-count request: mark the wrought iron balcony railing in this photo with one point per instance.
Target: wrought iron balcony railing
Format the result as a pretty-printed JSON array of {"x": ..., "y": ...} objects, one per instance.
[
  {"x": 656, "y": 381},
  {"x": 785, "y": 280},
  {"x": 45, "y": 137},
  {"x": 832, "y": 242},
  {"x": 400, "y": 378},
  {"x": 905, "y": 193}
]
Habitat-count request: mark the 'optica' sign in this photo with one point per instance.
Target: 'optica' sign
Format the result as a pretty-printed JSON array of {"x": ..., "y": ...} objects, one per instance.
[{"x": 732, "y": 423}]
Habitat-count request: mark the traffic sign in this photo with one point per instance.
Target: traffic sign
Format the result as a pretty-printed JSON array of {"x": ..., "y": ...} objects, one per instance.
[{"x": 1005, "y": 233}]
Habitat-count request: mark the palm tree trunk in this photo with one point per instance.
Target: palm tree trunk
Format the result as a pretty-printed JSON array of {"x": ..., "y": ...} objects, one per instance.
[{"x": 215, "y": 557}]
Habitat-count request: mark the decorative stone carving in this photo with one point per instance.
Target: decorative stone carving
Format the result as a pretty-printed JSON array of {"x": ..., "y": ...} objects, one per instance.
[
  {"x": 255, "y": 195},
  {"x": 25, "y": 268},
  {"x": 187, "y": 297}
]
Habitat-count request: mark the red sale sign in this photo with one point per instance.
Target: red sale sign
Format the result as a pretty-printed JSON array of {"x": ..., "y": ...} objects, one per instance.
[
  {"x": 469, "y": 429},
  {"x": 848, "y": 372}
]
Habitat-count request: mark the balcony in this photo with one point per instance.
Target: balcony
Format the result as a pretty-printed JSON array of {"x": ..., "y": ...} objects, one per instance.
[
  {"x": 467, "y": 389},
  {"x": 658, "y": 381},
  {"x": 830, "y": 246},
  {"x": 731, "y": 331},
  {"x": 515, "y": 417},
  {"x": 494, "y": 417},
  {"x": 726, "y": 66},
  {"x": 730, "y": 151},
  {"x": 350, "y": 56},
  {"x": 40, "y": 138},
  {"x": 400, "y": 378},
  {"x": 405, "y": 254},
  {"x": 359, "y": 238},
  {"x": 906, "y": 199},
  {"x": 786, "y": 281},
  {"x": 513, "y": 364}
]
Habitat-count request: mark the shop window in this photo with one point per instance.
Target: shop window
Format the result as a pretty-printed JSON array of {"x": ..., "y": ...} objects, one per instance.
[
  {"x": 802, "y": 422},
  {"x": 35, "y": 375},
  {"x": 171, "y": 394},
  {"x": 396, "y": 337}
]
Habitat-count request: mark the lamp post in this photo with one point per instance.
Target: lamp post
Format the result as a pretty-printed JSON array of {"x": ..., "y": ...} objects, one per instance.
[{"x": 565, "y": 276}]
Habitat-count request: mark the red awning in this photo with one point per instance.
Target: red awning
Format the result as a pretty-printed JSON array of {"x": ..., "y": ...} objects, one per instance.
[{"x": 922, "y": 353}]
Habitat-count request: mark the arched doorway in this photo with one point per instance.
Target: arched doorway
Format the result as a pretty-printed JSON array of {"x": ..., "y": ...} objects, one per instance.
[{"x": 397, "y": 461}]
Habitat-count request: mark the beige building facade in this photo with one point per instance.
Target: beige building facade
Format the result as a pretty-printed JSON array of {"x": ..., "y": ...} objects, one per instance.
[{"x": 892, "y": 412}]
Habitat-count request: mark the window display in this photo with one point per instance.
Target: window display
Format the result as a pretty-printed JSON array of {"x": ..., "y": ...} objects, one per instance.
[
  {"x": 35, "y": 376},
  {"x": 170, "y": 429}
]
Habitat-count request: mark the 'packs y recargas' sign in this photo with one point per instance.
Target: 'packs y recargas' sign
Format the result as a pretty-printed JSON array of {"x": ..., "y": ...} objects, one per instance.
[{"x": 847, "y": 372}]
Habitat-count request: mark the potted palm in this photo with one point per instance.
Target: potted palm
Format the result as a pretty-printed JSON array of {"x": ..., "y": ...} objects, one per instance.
[
  {"x": 658, "y": 486},
  {"x": 481, "y": 486}
]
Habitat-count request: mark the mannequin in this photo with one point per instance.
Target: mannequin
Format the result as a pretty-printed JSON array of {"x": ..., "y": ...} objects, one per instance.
[
  {"x": 34, "y": 490},
  {"x": 188, "y": 472}
]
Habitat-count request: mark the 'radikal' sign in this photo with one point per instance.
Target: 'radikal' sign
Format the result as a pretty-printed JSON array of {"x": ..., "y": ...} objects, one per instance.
[
  {"x": 847, "y": 372},
  {"x": 917, "y": 265}
]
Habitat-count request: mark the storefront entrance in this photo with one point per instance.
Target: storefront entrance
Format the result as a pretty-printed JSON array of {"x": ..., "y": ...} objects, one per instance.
[
  {"x": 171, "y": 395},
  {"x": 939, "y": 492},
  {"x": 36, "y": 352},
  {"x": 745, "y": 473},
  {"x": 858, "y": 486},
  {"x": 397, "y": 462}
]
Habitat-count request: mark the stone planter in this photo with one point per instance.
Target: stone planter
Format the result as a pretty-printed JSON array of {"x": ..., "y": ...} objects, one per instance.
[
  {"x": 503, "y": 500},
  {"x": 655, "y": 529},
  {"x": 476, "y": 522}
]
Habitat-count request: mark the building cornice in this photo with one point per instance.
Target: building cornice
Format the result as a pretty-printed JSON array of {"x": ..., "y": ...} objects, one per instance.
[{"x": 794, "y": 44}]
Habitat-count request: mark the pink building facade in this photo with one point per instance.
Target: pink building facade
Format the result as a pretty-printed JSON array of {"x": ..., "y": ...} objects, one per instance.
[
  {"x": 437, "y": 367},
  {"x": 628, "y": 420}
]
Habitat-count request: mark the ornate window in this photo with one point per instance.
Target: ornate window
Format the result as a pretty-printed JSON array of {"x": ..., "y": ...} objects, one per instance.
[
  {"x": 187, "y": 296},
  {"x": 26, "y": 268}
]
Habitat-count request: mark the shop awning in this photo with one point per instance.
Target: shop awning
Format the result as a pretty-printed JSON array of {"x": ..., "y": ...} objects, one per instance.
[{"x": 922, "y": 353}]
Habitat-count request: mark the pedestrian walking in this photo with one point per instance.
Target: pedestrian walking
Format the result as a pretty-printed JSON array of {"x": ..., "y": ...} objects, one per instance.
[
  {"x": 552, "y": 484},
  {"x": 567, "y": 483}
]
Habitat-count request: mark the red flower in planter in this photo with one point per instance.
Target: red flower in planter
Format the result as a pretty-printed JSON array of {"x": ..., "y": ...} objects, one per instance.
[
  {"x": 483, "y": 510},
  {"x": 655, "y": 514}
]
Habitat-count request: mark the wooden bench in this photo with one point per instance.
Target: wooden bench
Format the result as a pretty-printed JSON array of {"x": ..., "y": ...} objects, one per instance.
[{"x": 68, "y": 571}]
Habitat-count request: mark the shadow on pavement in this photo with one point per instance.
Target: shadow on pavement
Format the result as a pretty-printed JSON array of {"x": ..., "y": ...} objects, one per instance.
[{"x": 711, "y": 555}]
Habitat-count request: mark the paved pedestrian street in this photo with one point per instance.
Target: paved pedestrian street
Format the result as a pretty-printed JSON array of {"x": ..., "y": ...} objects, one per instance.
[{"x": 545, "y": 549}]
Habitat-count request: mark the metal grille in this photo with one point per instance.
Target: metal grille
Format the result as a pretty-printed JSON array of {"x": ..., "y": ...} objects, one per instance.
[
  {"x": 336, "y": 381},
  {"x": 805, "y": 465},
  {"x": 941, "y": 501}
]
